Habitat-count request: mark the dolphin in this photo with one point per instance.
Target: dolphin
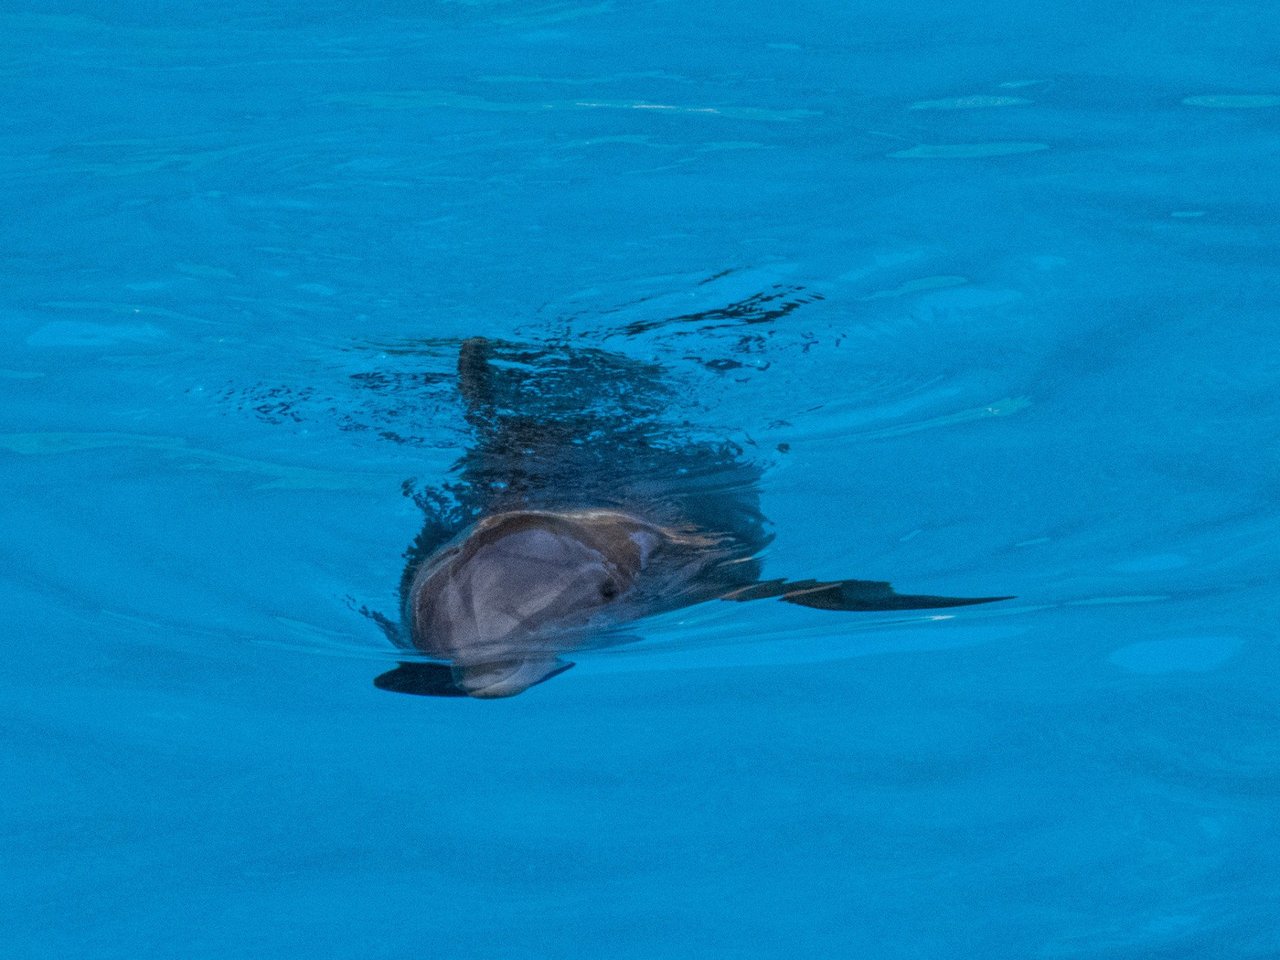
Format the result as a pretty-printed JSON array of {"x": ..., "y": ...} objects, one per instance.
[{"x": 578, "y": 513}]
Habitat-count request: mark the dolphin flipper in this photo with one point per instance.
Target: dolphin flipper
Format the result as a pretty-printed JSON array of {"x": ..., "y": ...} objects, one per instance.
[{"x": 848, "y": 595}]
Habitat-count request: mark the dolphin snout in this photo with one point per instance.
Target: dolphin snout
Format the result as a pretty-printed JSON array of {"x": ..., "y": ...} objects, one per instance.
[{"x": 505, "y": 678}]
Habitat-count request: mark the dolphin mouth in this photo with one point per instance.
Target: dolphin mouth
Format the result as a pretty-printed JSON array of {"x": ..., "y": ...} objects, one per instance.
[{"x": 505, "y": 678}]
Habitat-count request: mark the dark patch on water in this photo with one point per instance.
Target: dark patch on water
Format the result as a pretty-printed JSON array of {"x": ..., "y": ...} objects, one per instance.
[
  {"x": 764, "y": 307},
  {"x": 396, "y": 400}
]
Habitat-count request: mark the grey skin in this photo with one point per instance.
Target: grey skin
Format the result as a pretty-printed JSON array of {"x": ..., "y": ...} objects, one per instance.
[
  {"x": 500, "y": 604},
  {"x": 537, "y": 572}
]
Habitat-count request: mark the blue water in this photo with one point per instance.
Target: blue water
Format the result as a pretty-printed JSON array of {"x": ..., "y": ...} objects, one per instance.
[{"x": 1033, "y": 252}]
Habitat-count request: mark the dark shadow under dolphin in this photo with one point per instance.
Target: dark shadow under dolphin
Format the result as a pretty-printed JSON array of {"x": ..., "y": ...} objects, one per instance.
[{"x": 580, "y": 506}]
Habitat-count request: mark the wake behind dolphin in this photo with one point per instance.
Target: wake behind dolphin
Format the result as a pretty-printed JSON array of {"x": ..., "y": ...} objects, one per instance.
[{"x": 579, "y": 509}]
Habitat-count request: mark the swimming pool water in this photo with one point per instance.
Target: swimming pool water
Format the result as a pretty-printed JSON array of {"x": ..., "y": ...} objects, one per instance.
[{"x": 989, "y": 292}]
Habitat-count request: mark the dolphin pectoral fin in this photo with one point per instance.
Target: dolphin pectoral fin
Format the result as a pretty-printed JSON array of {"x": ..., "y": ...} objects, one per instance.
[
  {"x": 420, "y": 679},
  {"x": 850, "y": 595},
  {"x": 871, "y": 595},
  {"x": 764, "y": 590}
]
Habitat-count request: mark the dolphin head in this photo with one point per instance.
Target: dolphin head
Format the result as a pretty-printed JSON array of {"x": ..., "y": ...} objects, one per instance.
[{"x": 518, "y": 587}]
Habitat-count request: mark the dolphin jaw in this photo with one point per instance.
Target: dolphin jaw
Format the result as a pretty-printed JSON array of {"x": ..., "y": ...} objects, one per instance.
[{"x": 493, "y": 681}]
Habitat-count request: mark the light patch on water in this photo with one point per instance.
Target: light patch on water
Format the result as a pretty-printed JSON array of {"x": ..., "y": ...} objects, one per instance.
[
  {"x": 1187, "y": 214},
  {"x": 998, "y": 408},
  {"x": 712, "y": 146},
  {"x": 966, "y": 298},
  {"x": 1132, "y": 598},
  {"x": 434, "y": 99},
  {"x": 630, "y": 139},
  {"x": 583, "y": 81},
  {"x": 427, "y": 100},
  {"x": 918, "y": 286},
  {"x": 960, "y": 151},
  {"x": 204, "y": 272},
  {"x": 641, "y": 105},
  {"x": 126, "y": 158},
  {"x": 282, "y": 477},
  {"x": 844, "y": 416},
  {"x": 880, "y": 262},
  {"x": 733, "y": 113},
  {"x": 1151, "y": 564},
  {"x": 132, "y": 620},
  {"x": 55, "y": 22},
  {"x": 977, "y": 102},
  {"x": 128, "y": 309},
  {"x": 1177, "y": 655},
  {"x": 548, "y": 16},
  {"x": 1234, "y": 101},
  {"x": 76, "y": 333},
  {"x": 21, "y": 374}
]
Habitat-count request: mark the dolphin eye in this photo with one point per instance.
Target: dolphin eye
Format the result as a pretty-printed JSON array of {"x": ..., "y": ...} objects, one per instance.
[{"x": 608, "y": 589}]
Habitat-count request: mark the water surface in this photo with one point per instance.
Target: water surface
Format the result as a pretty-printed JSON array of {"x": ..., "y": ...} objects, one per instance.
[{"x": 987, "y": 292}]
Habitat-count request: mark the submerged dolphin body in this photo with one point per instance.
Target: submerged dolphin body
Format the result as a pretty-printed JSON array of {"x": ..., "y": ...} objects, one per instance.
[{"x": 577, "y": 518}]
